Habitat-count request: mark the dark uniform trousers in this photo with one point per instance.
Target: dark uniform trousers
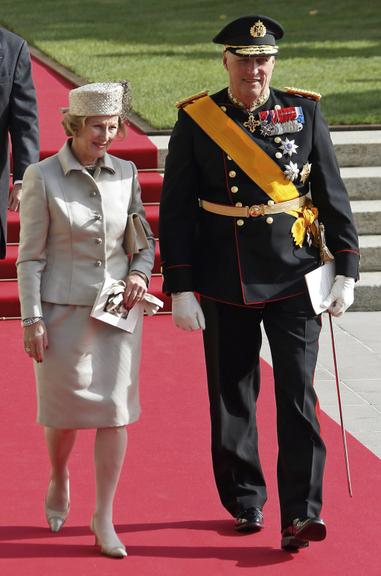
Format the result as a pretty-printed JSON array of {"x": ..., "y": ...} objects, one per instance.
[{"x": 232, "y": 342}]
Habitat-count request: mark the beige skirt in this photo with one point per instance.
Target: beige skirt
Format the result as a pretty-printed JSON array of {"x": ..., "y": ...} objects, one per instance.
[{"x": 89, "y": 377}]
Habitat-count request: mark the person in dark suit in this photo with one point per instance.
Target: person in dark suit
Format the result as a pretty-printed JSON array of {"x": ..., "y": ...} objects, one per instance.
[
  {"x": 18, "y": 119},
  {"x": 250, "y": 174}
]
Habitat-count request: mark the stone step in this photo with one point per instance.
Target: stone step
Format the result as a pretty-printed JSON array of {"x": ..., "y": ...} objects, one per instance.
[
  {"x": 353, "y": 148},
  {"x": 362, "y": 182},
  {"x": 368, "y": 292},
  {"x": 367, "y": 216},
  {"x": 161, "y": 143},
  {"x": 370, "y": 250},
  {"x": 357, "y": 147}
]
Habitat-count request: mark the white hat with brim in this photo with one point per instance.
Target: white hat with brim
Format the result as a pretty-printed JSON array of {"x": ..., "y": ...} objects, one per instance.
[{"x": 100, "y": 99}]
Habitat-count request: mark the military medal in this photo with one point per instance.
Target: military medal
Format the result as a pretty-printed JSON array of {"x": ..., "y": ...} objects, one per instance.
[
  {"x": 252, "y": 123},
  {"x": 289, "y": 147},
  {"x": 292, "y": 171},
  {"x": 269, "y": 129},
  {"x": 277, "y": 129},
  {"x": 305, "y": 172},
  {"x": 281, "y": 120},
  {"x": 282, "y": 115}
]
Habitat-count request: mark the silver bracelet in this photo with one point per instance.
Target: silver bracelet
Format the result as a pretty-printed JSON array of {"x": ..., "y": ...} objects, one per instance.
[
  {"x": 30, "y": 321},
  {"x": 138, "y": 273}
]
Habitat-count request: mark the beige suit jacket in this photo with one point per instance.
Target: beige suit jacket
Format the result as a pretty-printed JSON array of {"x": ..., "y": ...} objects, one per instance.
[{"x": 73, "y": 229}]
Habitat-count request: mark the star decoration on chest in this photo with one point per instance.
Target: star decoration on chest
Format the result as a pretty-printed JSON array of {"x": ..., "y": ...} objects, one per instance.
[
  {"x": 306, "y": 170},
  {"x": 292, "y": 171},
  {"x": 289, "y": 147}
]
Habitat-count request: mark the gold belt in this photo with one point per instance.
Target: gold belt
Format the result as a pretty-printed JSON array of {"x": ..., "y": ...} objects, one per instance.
[{"x": 255, "y": 210}]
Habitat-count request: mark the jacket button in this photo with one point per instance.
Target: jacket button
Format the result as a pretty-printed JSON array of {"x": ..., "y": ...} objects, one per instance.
[
  {"x": 270, "y": 202},
  {"x": 228, "y": 157},
  {"x": 234, "y": 189},
  {"x": 232, "y": 173},
  {"x": 98, "y": 241},
  {"x": 269, "y": 220},
  {"x": 98, "y": 263},
  {"x": 238, "y": 204},
  {"x": 223, "y": 108},
  {"x": 277, "y": 107},
  {"x": 240, "y": 222},
  {"x": 277, "y": 140},
  {"x": 93, "y": 193}
]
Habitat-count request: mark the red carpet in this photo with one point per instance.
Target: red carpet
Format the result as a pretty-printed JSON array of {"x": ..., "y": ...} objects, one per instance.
[{"x": 167, "y": 512}]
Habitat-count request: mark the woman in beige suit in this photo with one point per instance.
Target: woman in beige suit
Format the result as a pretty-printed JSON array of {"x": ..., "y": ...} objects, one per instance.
[{"x": 73, "y": 214}]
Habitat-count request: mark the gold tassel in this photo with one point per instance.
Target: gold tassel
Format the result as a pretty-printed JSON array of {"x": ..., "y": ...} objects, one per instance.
[{"x": 303, "y": 223}]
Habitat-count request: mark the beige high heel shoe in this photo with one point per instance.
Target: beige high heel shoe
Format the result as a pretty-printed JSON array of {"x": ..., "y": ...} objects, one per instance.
[
  {"x": 56, "y": 518},
  {"x": 118, "y": 551}
]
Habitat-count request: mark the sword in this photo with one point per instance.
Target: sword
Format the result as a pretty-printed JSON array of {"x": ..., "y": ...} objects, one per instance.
[{"x": 340, "y": 407}]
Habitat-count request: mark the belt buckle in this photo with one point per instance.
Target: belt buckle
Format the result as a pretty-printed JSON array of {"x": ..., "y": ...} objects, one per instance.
[{"x": 257, "y": 210}]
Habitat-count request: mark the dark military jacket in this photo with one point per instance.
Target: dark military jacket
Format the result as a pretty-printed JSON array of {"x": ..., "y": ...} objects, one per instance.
[{"x": 255, "y": 260}]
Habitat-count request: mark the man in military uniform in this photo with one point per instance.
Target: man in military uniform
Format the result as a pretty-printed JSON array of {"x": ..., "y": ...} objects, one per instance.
[{"x": 237, "y": 227}]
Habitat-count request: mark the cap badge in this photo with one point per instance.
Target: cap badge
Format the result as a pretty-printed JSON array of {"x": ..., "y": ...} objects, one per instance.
[{"x": 258, "y": 30}]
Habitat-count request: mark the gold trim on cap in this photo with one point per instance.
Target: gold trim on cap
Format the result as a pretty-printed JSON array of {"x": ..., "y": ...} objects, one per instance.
[
  {"x": 258, "y": 29},
  {"x": 266, "y": 49}
]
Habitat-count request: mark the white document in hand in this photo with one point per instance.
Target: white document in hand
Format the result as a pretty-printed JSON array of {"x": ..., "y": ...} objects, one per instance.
[{"x": 319, "y": 284}]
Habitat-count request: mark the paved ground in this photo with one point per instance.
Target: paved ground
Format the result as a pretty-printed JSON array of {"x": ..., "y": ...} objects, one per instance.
[{"x": 358, "y": 350}]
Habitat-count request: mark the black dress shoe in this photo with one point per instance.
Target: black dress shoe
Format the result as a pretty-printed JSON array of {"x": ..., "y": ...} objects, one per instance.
[
  {"x": 301, "y": 532},
  {"x": 250, "y": 520}
]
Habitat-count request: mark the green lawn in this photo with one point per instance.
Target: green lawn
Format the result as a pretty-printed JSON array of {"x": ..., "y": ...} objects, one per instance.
[{"x": 163, "y": 47}]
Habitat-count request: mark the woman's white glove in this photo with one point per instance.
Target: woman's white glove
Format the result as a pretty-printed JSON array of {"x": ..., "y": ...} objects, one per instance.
[
  {"x": 186, "y": 311},
  {"x": 341, "y": 295}
]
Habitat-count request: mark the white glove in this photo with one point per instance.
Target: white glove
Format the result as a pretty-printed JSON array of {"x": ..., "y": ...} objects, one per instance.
[
  {"x": 151, "y": 304},
  {"x": 149, "y": 308},
  {"x": 341, "y": 295},
  {"x": 186, "y": 311}
]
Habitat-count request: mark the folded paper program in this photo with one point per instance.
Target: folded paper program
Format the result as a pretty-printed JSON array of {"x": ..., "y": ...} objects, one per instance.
[
  {"x": 108, "y": 306},
  {"x": 114, "y": 303}
]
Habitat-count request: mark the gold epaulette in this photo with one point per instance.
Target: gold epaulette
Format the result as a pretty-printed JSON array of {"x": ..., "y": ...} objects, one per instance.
[
  {"x": 190, "y": 99},
  {"x": 306, "y": 93}
]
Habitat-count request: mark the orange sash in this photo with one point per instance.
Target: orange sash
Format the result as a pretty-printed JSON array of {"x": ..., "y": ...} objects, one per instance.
[
  {"x": 250, "y": 157},
  {"x": 242, "y": 149}
]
